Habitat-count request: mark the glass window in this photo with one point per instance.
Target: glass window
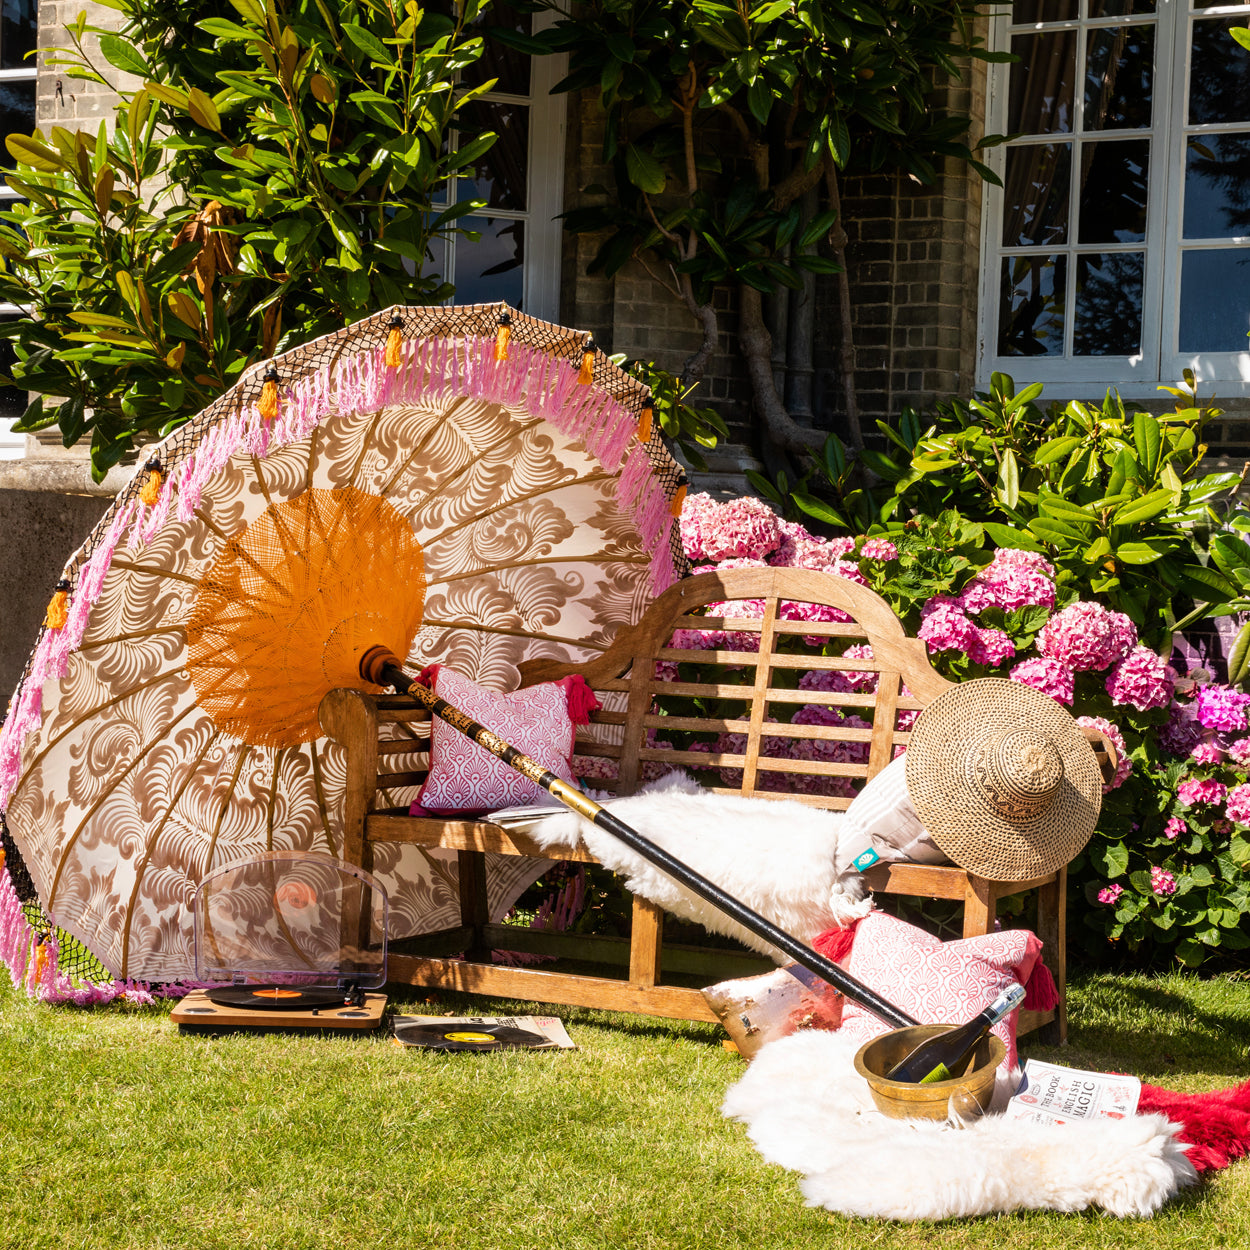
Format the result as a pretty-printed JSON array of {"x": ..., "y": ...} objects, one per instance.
[{"x": 1119, "y": 243}]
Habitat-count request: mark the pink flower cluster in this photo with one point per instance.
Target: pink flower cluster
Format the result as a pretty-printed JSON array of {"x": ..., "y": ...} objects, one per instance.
[
  {"x": 1238, "y": 805},
  {"x": 1013, "y": 579},
  {"x": 1175, "y": 827},
  {"x": 878, "y": 549},
  {"x": 1048, "y": 676},
  {"x": 743, "y": 527},
  {"x": 1200, "y": 790},
  {"x": 1162, "y": 882},
  {"x": 1110, "y": 894},
  {"x": 1087, "y": 636},
  {"x": 1141, "y": 680},
  {"x": 1124, "y": 765},
  {"x": 1240, "y": 751},
  {"x": 800, "y": 549},
  {"x": 1222, "y": 708},
  {"x": 1207, "y": 753}
]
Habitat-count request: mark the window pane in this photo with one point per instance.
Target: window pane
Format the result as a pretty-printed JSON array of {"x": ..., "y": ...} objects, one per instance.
[
  {"x": 1041, "y": 93},
  {"x": 1215, "y": 300},
  {"x": 1027, "y": 11},
  {"x": 490, "y": 269},
  {"x": 1219, "y": 74},
  {"x": 18, "y": 30},
  {"x": 499, "y": 174},
  {"x": 1035, "y": 195},
  {"x": 1107, "y": 321},
  {"x": 511, "y": 68},
  {"x": 12, "y": 399},
  {"x": 1119, "y": 70},
  {"x": 1120, "y": 8},
  {"x": 1030, "y": 317},
  {"x": 17, "y": 111},
  {"x": 1113, "y": 191},
  {"x": 1217, "y": 186}
]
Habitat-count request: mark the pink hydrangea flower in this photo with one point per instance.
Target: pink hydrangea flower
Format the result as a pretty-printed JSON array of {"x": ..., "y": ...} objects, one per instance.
[
  {"x": 948, "y": 628},
  {"x": 1175, "y": 827},
  {"x": 744, "y": 527},
  {"x": 1162, "y": 882},
  {"x": 1222, "y": 827},
  {"x": 1141, "y": 680},
  {"x": 1207, "y": 753},
  {"x": 878, "y": 549},
  {"x": 976, "y": 596},
  {"x": 800, "y": 549},
  {"x": 991, "y": 646},
  {"x": 1240, "y": 752},
  {"x": 1048, "y": 676},
  {"x": 1087, "y": 636},
  {"x": 1238, "y": 805},
  {"x": 1008, "y": 585},
  {"x": 1110, "y": 894},
  {"x": 1222, "y": 708},
  {"x": 861, "y": 680},
  {"x": 1124, "y": 765},
  {"x": 1013, "y": 557},
  {"x": 1200, "y": 790}
]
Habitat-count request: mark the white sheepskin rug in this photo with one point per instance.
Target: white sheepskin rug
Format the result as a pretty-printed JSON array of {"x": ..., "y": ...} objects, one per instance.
[
  {"x": 773, "y": 855},
  {"x": 807, "y": 1109}
]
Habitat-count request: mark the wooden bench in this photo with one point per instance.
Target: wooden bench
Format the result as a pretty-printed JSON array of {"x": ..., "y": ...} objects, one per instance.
[{"x": 741, "y": 730}]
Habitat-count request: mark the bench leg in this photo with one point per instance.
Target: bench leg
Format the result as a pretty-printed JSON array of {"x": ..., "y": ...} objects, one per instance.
[
  {"x": 1052, "y": 928},
  {"x": 645, "y": 943},
  {"x": 473, "y": 909}
]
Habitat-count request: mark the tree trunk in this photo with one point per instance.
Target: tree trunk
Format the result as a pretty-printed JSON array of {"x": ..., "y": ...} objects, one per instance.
[{"x": 757, "y": 349}]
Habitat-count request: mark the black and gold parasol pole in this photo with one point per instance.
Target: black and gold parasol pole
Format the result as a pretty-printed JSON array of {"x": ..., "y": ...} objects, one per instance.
[{"x": 380, "y": 667}]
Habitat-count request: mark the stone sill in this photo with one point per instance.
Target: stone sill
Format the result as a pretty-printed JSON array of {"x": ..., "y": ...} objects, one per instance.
[{"x": 61, "y": 477}]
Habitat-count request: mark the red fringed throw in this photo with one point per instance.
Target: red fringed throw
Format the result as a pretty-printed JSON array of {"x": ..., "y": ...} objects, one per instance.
[{"x": 1215, "y": 1126}]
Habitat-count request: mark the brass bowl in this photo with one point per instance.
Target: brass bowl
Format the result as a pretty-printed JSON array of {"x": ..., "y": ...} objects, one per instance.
[{"x": 902, "y": 1100}]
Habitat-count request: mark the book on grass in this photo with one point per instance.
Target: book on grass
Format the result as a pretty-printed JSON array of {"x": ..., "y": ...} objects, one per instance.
[{"x": 1050, "y": 1094}]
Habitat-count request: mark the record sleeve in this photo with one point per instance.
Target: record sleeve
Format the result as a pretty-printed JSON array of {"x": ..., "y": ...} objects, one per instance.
[{"x": 505, "y": 1032}]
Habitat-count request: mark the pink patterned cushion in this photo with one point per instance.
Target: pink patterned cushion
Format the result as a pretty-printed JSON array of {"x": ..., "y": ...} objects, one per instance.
[
  {"x": 936, "y": 982},
  {"x": 465, "y": 777}
]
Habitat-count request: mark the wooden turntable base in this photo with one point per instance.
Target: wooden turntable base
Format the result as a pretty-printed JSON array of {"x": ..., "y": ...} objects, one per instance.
[{"x": 197, "y": 1012}]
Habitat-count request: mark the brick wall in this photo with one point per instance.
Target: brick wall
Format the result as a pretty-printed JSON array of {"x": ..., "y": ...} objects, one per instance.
[{"x": 71, "y": 102}]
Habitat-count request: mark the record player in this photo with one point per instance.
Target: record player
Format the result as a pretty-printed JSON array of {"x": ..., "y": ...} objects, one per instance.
[{"x": 287, "y": 940}]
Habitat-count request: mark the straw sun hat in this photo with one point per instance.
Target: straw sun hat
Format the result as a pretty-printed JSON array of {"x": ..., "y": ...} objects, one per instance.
[{"x": 1003, "y": 779}]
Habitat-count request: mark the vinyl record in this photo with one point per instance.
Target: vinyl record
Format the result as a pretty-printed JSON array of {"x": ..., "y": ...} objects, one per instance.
[
  {"x": 461, "y": 1036},
  {"x": 277, "y": 997}
]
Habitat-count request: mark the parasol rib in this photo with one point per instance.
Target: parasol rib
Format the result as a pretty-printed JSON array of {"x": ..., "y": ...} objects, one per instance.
[
  {"x": 510, "y": 503},
  {"x": 151, "y": 846},
  {"x": 322, "y": 806},
  {"x": 433, "y": 623},
  {"x": 244, "y": 751},
  {"x": 420, "y": 449},
  {"x": 602, "y": 557},
  {"x": 144, "y": 751},
  {"x": 382, "y": 668}
]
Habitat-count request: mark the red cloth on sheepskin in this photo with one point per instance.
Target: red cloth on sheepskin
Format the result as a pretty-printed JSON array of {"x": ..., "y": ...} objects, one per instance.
[
  {"x": 936, "y": 982},
  {"x": 1216, "y": 1126}
]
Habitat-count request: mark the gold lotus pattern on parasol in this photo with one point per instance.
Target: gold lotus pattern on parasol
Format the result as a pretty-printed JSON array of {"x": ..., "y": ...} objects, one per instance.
[{"x": 457, "y": 505}]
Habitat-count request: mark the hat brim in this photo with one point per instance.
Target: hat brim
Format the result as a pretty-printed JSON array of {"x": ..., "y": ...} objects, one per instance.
[{"x": 951, "y": 732}]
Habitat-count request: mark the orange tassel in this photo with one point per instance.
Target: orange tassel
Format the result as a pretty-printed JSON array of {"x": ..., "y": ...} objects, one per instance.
[
  {"x": 395, "y": 343},
  {"x": 644, "y": 422},
  {"x": 678, "y": 500},
  {"x": 586, "y": 374},
  {"x": 268, "y": 404},
  {"x": 502, "y": 335},
  {"x": 41, "y": 958},
  {"x": 58, "y": 607},
  {"x": 151, "y": 491}
]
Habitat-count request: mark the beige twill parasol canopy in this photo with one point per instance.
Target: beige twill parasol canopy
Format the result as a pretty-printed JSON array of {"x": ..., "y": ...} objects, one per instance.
[{"x": 468, "y": 485}]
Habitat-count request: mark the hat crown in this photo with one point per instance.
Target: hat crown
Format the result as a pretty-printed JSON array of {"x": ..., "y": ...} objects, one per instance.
[{"x": 1018, "y": 772}]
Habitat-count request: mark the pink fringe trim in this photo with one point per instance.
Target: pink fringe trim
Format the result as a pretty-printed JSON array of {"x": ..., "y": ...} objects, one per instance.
[{"x": 430, "y": 368}]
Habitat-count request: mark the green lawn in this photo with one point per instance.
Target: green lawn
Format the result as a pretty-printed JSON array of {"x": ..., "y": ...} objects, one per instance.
[{"x": 115, "y": 1130}]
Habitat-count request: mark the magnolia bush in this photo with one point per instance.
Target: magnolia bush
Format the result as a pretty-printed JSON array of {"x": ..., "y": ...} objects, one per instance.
[{"x": 1165, "y": 873}]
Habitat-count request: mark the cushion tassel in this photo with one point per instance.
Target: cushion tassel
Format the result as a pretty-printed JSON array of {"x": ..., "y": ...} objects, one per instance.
[{"x": 58, "y": 607}]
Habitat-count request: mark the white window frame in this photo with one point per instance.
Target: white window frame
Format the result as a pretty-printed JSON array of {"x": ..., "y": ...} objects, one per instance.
[
  {"x": 13, "y": 446},
  {"x": 1159, "y": 363},
  {"x": 548, "y": 114}
]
